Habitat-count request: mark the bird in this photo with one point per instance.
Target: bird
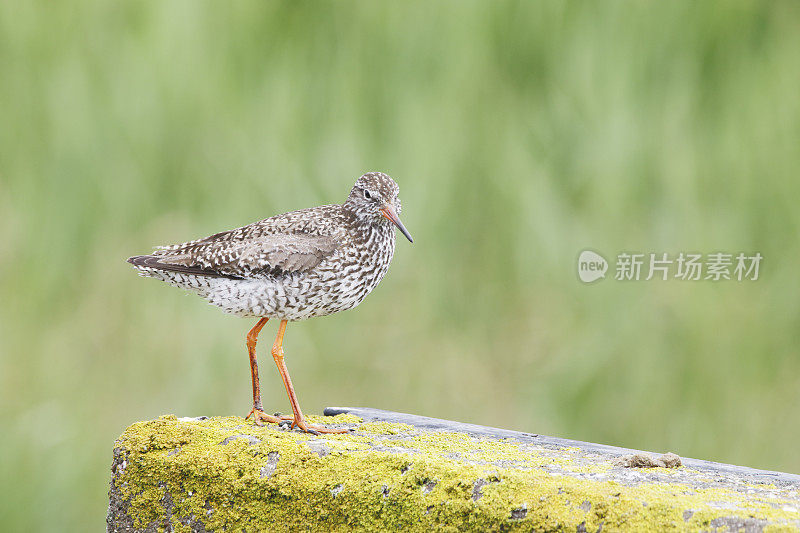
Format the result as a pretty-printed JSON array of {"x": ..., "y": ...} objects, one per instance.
[{"x": 290, "y": 267}]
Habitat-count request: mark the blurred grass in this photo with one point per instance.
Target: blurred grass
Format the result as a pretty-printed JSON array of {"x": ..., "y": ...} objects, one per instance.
[{"x": 520, "y": 133}]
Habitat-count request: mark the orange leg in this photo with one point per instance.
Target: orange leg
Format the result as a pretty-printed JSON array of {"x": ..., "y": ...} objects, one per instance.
[
  {"x": 299, "y": 421},
  {"x": 257, "y": 412}
]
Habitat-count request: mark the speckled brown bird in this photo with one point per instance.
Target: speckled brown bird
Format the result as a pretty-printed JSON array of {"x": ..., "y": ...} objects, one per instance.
[{"x": 307, "y": 263}]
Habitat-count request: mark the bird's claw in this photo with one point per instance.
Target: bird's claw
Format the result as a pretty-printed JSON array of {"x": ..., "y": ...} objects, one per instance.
[
  {"x": 315, "y": 430},
  {"x": 290, "y": 422},
  {"x": 259, "y": 417}
]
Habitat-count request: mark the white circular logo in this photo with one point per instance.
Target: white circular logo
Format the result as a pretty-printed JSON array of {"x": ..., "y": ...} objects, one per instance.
[{"x": 591, "y": 266}]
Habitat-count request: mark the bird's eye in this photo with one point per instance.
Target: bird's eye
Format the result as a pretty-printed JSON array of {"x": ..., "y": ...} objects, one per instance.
[{"x": 367, "y": 195}]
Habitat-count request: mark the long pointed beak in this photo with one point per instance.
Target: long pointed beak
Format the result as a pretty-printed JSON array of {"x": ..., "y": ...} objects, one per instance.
[{"x": 389, "y": 213}]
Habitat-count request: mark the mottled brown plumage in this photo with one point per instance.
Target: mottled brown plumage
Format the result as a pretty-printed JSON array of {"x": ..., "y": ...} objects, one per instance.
[{"x": 298, "y": 265}]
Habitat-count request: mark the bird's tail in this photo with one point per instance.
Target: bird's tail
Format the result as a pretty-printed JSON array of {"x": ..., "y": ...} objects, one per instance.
[{"x": 155, "y": 265}]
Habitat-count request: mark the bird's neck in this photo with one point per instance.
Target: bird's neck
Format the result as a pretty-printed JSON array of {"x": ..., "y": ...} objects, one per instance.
[{"x": 369, "y": 231}]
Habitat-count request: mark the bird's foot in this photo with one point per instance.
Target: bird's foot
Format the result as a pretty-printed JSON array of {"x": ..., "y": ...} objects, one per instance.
[
  {"x": 259, "y": 417},
  {"x": 315, "y": 430},
  {"x": 300, "y": 423}
]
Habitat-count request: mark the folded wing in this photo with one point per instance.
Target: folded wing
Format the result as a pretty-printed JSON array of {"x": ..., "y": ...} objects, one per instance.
[{"x": 242, "y": 258}]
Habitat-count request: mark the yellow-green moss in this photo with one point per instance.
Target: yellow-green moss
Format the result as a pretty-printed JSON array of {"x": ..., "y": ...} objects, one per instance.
[
  {"x": 413, "y": 480},
  {"x": 343, "y": 418},
  {"x": 385, "y": 428}
]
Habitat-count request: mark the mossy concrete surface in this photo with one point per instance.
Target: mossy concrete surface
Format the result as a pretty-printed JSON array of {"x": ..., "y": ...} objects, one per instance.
[{"x": 225, "y": 474}]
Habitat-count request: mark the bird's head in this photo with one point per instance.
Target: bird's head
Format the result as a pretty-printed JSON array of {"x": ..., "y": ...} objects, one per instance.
[{"x": 374, "y": 200}]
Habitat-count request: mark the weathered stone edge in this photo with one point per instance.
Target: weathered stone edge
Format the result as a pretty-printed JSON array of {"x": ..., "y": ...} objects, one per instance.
[{"x": 438, "y": 424}]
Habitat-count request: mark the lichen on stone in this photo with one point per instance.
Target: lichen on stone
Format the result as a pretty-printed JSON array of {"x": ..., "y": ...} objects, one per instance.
[
  {"x": 176, "y": 474},
  {"x": 385, "y": 428},
  {"x": 645, "y": 460}
]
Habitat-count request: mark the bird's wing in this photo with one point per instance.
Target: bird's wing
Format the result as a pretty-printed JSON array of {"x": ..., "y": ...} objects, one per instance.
[
  {"x": 291, "y": 242},
  {"x": 273, "y": 254}
]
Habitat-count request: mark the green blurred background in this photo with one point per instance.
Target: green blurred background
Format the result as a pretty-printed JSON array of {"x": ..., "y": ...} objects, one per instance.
[{"x": 520, "y": 133}]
